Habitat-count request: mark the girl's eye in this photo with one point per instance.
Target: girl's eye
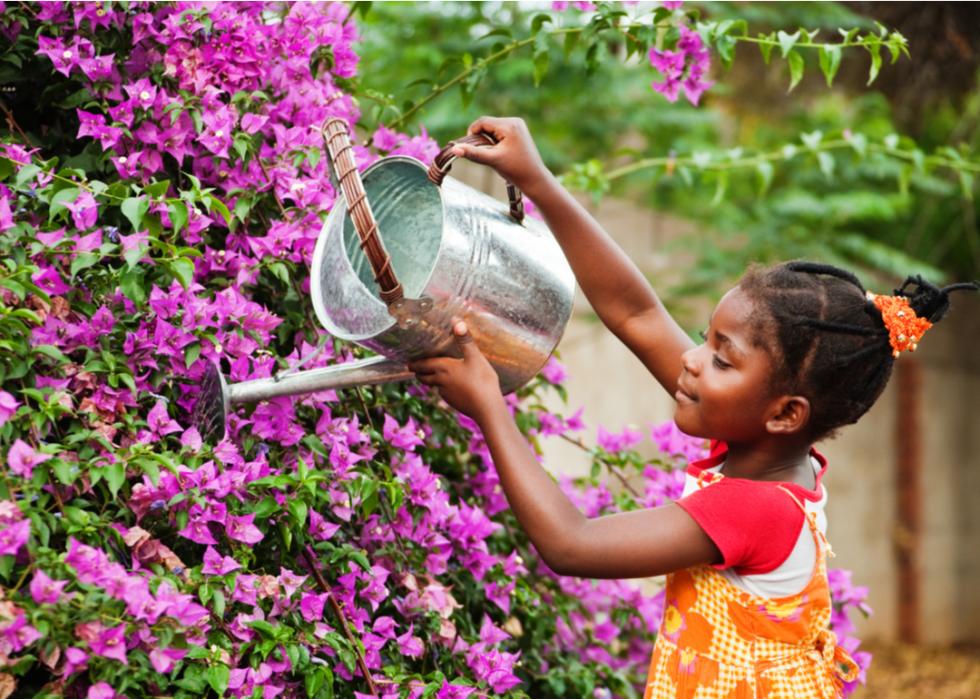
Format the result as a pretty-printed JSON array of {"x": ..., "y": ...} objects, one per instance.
[
  {"x": 720, "y": 363},
  {"x": 703, "y": 334}
]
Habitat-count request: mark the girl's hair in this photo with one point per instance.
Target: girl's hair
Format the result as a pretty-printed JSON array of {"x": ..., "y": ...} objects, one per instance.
[{"x": 827, "y": 339}]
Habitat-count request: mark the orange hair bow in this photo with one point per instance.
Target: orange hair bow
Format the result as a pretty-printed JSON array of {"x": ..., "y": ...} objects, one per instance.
[{"x": 905, "y": 328}]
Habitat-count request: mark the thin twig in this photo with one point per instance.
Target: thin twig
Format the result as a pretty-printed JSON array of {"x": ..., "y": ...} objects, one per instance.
[
  {"x": 311, "y": 561},
  {"x": 611, "y": 467}
]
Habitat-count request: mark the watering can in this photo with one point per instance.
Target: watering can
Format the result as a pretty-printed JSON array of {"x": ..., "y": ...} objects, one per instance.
[{"x": 403, "y": 254}]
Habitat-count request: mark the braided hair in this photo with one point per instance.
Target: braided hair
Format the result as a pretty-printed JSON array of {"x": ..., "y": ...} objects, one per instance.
[{"x": 827, "y": 339}]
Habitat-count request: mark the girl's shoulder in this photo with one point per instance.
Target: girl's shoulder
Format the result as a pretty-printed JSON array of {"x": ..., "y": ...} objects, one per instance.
[{"x": 733, "y": 512}]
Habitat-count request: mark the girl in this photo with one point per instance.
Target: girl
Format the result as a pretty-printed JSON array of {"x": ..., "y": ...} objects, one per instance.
[{"x": 790, "y": 354}]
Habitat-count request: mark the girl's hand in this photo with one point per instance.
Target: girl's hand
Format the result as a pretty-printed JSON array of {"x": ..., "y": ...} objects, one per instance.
[
  {"x": 514, "y": 155},
  {"x": 469, "y": 384}
]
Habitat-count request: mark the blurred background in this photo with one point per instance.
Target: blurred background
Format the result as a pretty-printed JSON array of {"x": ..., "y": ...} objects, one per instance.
[{"x": 904, "y": 484}]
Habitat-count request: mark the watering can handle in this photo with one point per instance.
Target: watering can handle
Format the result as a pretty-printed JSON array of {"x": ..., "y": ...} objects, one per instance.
[
  {"x": 440, "y": 168},
  {"x": 342, "y": 159}
]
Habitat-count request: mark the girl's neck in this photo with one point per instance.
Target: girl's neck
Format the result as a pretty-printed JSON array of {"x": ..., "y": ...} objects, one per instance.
[{"x": 771, "y": 462}]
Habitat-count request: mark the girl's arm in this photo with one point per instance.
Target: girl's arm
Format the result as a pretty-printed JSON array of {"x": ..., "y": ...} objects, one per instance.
[
  {"x": 617, "y": 290},
  {"x": 632, "y": 544}
]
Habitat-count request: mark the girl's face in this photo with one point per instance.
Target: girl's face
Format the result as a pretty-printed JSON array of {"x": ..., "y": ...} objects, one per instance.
[{"x": 724, "y": 388}]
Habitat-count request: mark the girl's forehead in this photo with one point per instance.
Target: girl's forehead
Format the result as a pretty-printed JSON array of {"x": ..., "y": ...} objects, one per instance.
[{"x": 735, "y": 308}]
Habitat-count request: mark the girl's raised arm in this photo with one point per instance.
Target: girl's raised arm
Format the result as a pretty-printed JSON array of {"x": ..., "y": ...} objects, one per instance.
[
  {"x": 632, "y": 544},
  {"x": 617, "y": 290}
]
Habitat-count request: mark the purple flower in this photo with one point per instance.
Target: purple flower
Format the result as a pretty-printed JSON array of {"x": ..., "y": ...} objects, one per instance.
[
  {"x": 13, "y": 536},
  {"x": 22, "y": 458},
  {"x": 410, "y": 645},
  {"x": 44, "y": 590},
  {"x": 240, "y": 528},
  {"x": 671, "y": 441},
  {"x": 18, "y": 634},
  {"x": 8, "y": 406},
  {"x": 83, "y": 210},
  {"x": 216, "y": 564},
  {"x": 101, "y": 690},
  {"x": 672, "y": 4},
  {"x": 554, "y": 371},
  {"x": 311, "y": 606},
  {"x": 670, "y": 63},
  {"x": 627, "y": 439},
  {"x": 407, "y": 437},
  {"x": 111, "y": 643},
  {"x": 320, "y": 529},
  {"x": 159, "y": 421},
  {"x": 164, "y": 659},
  {"x": 75, "y": 660}
]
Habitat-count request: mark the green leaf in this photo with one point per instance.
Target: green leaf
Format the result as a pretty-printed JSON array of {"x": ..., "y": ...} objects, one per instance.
[
  {"x": 220, "y": 207},
  {"x": 540, "y": 67},
  {"x": 539, "y": 21},
  {"x": 795, "y": 61},
  {"x": 61, "y": 199},
  {"x": 134, "y": 209},
  {"x": 183, "y": 269},
  {"x": 764, "y": 170},
  {"x": 826, "y": 161},
  {"x": 966, "y": 184},
  {"x": 191, "y": 353},
  {"x": 6, "y": 168},
  {"x": 115, "y": 476},
  {"x": 177, "y": 210},
  {"x": 26, "y": 174},
  {"x": 875, "y": 51},
  {"x": 498, "y": 31},
  {"x": 787, "y": 41},
  {"x": 132, "y": 285},
  {"x": 83, "y": 260},
  {"x": 51, "y": 351},
  {"x": 812, "y": 140},
  {"x": 721, "y": 186},
  {"x": 218, "y": 676},
  {"x": 859, "y": 142},
  {"x": 829, "y": 61},
  {"x": 297, "y": 510},
  {"x": 157, "y": 189}
]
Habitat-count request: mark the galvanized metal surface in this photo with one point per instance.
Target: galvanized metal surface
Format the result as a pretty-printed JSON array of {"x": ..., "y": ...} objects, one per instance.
[{"x": 458, "y": 248}]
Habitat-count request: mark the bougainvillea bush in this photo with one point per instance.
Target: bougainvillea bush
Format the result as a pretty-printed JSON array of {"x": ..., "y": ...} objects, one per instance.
[{"x": 162, "y": 185}]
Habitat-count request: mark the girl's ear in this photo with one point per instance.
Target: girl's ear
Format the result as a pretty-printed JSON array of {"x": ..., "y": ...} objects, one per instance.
[{"x": 790, "y": 415}]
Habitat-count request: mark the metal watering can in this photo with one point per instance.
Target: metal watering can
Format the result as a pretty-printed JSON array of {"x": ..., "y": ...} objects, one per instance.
[{"x": 418, "y": 251}]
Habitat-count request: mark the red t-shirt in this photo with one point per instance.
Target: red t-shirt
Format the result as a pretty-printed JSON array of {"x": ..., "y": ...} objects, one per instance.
[{"x": 754, "y": 524}]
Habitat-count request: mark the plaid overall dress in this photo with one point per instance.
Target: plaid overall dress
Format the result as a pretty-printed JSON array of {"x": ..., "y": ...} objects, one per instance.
[{"x": 719, "y": 641}]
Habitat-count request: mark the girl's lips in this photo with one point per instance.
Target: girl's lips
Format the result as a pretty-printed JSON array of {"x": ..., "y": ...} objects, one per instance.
[{"x": 682, "y": 397}]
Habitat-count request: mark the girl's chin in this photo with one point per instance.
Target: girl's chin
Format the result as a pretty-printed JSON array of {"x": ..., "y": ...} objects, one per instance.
[{"x": 686, "y": 425}]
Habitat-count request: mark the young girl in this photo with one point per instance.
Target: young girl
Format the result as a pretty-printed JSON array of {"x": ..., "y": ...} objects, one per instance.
[{"x": 790, "y": 354}]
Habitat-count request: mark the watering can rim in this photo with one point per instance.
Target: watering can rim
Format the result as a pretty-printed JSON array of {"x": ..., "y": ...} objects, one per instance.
[{"x": 321, "y": 243}]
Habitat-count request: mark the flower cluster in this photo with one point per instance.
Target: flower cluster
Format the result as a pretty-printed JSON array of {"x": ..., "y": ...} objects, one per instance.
[
  {"x": 330, "y": 536},
  {"x": 685, "y": 68}
]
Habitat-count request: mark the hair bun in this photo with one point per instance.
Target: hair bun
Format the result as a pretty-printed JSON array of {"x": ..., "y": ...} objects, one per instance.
[{"x": 928, "y": 300}]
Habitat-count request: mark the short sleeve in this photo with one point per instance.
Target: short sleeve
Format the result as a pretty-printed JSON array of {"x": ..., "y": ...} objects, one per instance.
[{"x": 755, "y": 525}]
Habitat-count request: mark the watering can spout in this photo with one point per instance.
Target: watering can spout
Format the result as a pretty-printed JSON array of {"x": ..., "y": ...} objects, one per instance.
[{"x": 218, "y": 396}]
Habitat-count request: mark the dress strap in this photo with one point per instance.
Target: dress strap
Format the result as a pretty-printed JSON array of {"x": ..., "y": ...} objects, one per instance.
[{"x": 811, "y": 518}]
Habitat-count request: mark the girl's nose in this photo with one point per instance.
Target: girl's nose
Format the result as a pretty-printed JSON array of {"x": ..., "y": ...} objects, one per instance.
[{"x": 690, "y": 362}]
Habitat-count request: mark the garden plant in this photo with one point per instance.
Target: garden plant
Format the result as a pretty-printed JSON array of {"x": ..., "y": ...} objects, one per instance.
[{"x": 162, "y": 185}]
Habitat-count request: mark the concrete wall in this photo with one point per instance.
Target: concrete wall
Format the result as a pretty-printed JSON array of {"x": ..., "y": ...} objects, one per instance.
[{"x": 617, "y": 391}]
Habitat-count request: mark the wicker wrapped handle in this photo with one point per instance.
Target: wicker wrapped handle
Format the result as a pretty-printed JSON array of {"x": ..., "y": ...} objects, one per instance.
[
  {"x": 342, "y": 158},
  {"x": 440, "y": 168}
]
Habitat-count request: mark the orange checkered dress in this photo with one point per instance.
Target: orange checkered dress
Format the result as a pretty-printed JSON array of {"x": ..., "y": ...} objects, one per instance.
[{"x": 718, "y": 641}]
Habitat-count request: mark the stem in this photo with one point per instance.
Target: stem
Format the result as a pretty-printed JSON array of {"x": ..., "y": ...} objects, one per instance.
[
  {"x": 750, "y": 161},
  {"x": 484, "y": 62},
  {"x": 610, "y": 467},
  {"x": 804, "y": 44},
  {"x": 310, "y": 557}
]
